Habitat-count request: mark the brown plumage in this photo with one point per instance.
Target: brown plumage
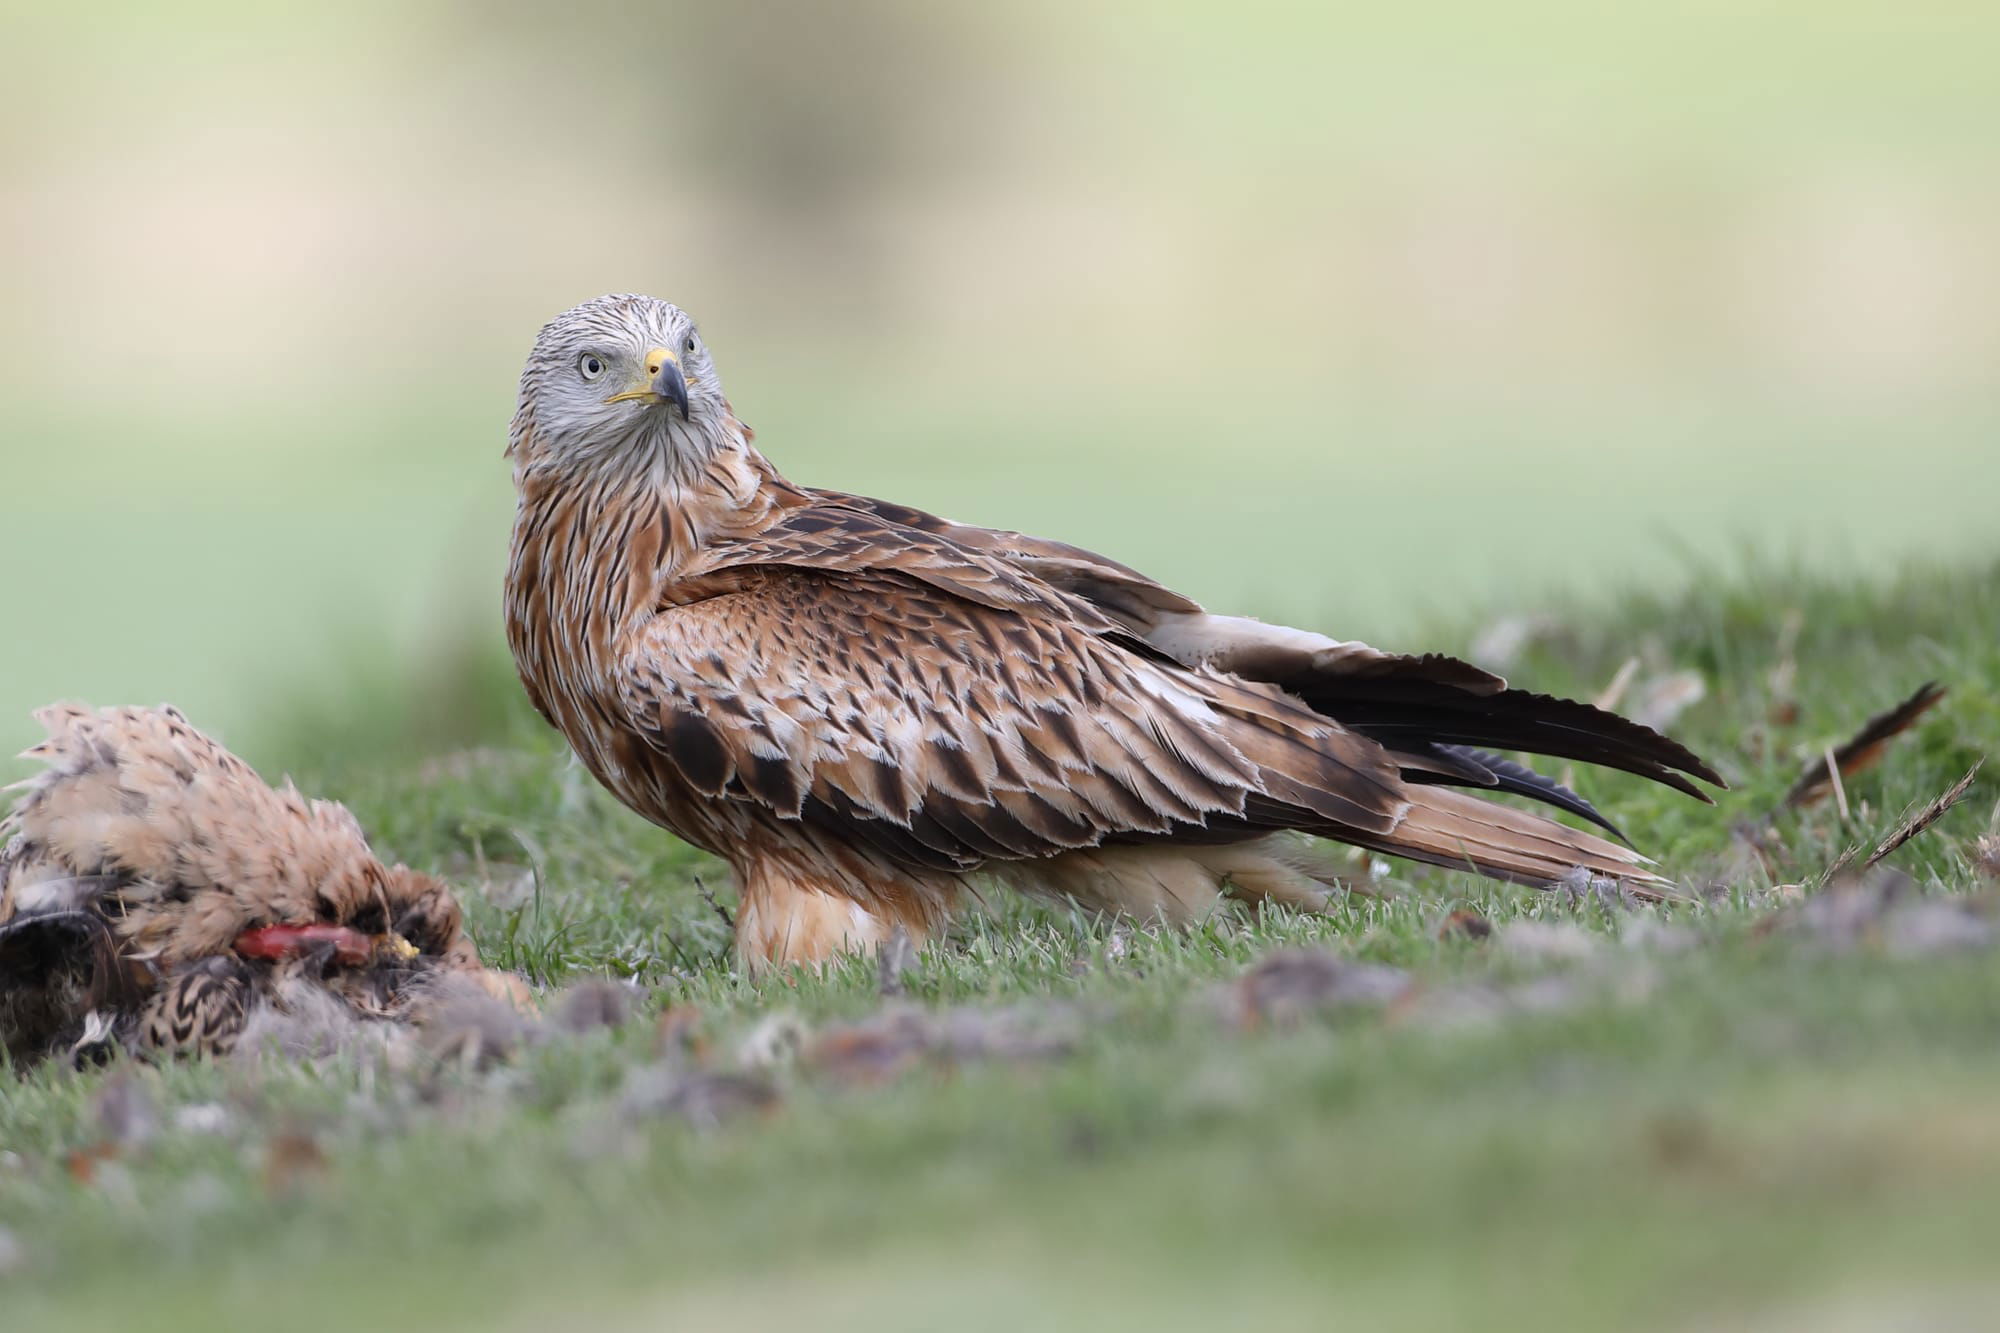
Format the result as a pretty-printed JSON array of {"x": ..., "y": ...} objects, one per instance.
[
  {"x": 859, "y": 705},
  {"x": 155, "y": 892}
]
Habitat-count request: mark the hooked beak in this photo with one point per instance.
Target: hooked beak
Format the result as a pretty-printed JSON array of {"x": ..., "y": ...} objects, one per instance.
[{"x": 664, "y": 382}]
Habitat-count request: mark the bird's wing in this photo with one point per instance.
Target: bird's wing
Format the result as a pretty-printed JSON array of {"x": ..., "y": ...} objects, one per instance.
[
  {"x": 1428, "y": 708},
  {"x": 915, "y": 690},
  {"x": 1169, "y": 621},
  {"x": 1117, "y": 590},
  {"x": 921, "y": 702},
  {"x": 833, "y": 536}
]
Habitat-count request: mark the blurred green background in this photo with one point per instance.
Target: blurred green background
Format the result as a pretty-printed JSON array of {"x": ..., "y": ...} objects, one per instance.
[{"x": 1360, "y": 316}]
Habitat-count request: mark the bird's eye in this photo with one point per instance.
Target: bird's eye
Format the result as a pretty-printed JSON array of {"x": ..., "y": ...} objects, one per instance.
[
  {"x": 590, "y": 365},
  {"x": 688, "y": 346}
]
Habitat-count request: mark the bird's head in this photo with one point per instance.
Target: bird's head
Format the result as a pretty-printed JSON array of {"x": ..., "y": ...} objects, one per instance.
[{"x": 618, "y": 375}]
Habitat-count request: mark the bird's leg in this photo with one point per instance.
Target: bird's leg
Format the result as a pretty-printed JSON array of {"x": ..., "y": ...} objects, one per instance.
[{"x": 786, "y": 918}]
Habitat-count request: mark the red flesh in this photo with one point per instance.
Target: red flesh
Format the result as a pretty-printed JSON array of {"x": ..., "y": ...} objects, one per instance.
[{"x": 350, "y": 946}]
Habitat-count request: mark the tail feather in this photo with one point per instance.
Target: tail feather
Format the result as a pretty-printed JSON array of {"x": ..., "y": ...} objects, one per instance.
[
  {"x": 1408, "y": 703},
  {"x": 1524, "y": 721},
  {"x": 1450, "y": 828}
]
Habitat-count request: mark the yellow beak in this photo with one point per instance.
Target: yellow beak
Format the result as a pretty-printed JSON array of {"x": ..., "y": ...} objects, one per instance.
[{"x": 664, "y": 382}]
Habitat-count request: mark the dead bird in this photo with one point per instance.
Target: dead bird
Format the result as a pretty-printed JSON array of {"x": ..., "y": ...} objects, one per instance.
[{"x": 156, "y": 894}]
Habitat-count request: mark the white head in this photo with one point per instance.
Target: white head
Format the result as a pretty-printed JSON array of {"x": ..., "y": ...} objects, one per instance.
[{"x": 619, "y": 379}]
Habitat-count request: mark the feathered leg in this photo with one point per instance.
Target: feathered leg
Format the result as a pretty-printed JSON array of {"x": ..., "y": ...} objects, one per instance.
[{"x": 785, "y": 918}]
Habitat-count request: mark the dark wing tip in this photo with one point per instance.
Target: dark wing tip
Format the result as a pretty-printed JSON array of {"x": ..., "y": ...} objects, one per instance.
[{"x": 1515, "y": 779}]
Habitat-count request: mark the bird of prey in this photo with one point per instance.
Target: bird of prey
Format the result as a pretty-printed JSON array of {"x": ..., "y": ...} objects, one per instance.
[
  {"x": 861, "y": 707},
  {"x": 156, "y": 894}
]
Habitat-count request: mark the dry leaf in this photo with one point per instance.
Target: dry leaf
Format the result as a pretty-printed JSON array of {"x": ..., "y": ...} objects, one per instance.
[
  {"x": 896, "y": 1040},
  {"x": 1663, "y": 699},
  {"x": 1465, "y": 924},
  {"x": 1862, "y": 750},
  {"x": 704, "y": 1100},
  {"x": 1289, "y": 984},
  {"x": 874, "y": 1051},
  {"x": 677, "y": 1032},
  {"x": 1608, "y": 697},
  {"x": 83, "y": 1163},
  {"x": 590, "y": 1005},
  {"x": 292, "y": 1161},
  {"x": 1683, "y": 1140}
]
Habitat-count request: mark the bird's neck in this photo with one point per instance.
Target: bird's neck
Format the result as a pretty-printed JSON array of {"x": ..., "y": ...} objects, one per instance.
[{"x": 597, "y": 550}]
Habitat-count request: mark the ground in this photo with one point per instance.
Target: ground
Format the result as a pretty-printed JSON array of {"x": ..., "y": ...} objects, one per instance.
[{"x": 1767, "y": 1106}]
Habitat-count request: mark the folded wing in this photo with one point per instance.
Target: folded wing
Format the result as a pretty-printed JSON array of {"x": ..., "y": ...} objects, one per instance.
[
  {"x": 943, "y": 703},
  {"x": 1439, "y": 715},
  {"x": 943, "y": 732}
]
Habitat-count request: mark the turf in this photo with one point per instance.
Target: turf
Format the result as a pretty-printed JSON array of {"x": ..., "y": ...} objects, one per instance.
[{"x": 1751, "y": 1108}]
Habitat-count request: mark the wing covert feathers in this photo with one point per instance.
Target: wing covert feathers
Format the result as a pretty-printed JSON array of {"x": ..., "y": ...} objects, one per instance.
[
  {"x": 863, "y": 695},
  {"x": 943, "y": 733},
  {"x": 1408, "y": 702}
]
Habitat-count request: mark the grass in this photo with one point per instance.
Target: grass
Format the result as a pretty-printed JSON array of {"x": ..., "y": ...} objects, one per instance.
[{"x": 1677, "y": 1117}]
